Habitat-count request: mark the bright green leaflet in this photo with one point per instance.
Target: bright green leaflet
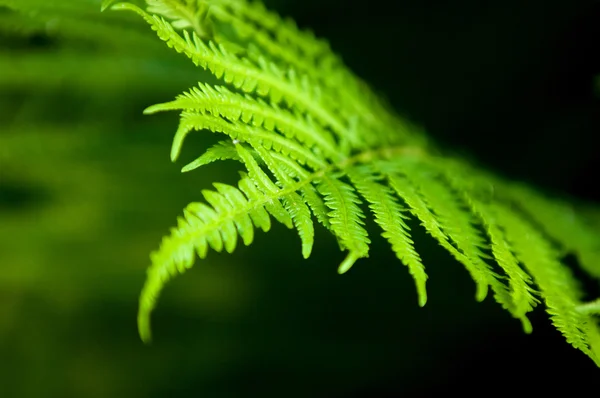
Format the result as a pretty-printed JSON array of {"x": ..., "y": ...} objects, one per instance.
[{"x": 314, "y": 140}]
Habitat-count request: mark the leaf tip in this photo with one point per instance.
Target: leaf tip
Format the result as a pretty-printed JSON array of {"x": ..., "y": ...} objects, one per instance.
[
  {"x": 482, "y": 291},
  {"x": 422, "y": 300},
  {"x": 347, "y": 263},
  {"x": 152, "y": 109},
  {"x": 188, "y": 167},
  {"x": 527, "y": 328},
  {"x": 306, "y": 250},
  {"x": 144, "y": 326}
]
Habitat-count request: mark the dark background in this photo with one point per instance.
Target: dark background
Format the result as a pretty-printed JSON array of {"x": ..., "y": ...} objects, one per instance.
[{"x": 86, "y": 192}]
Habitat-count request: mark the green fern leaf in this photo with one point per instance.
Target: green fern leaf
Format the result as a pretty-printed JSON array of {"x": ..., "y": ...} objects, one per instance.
[
  {"x": 409, "y": 193},
  {"x": 345, "y": 218},
  {"x": 224, "y": 150},
  {"x": 242, "y": 133},
  {"x": 264, "y": 78},
  {"x": 294, "y": 204},
  {"x": 203, "y": 227},
  {"x": 220, "y": 101},
  {"x": 558, "y": 287},
  {"x": 389, "y": 215},
  {"x": 314, "y": 139},
  {"x": 268, "y": 187},
  {"x": 288, "y": 46},
  {"x": 521, "y": 291}
]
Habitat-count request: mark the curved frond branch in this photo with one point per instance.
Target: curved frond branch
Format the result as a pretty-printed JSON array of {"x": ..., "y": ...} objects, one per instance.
[
  {"x": 243, "y": 133},
  {"x": 223, "y": 150},
  {"x": 203, "y": 226},
  {"x": 232, "y": 212},
  {"x": 220, "y": 101}
]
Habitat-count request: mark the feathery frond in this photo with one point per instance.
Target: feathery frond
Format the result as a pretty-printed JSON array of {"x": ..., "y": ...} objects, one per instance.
[{"x": 314, "y": 140}]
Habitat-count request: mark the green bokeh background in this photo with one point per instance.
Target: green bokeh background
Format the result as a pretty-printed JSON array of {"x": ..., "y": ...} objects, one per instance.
[{"x": 87, "y": 191}]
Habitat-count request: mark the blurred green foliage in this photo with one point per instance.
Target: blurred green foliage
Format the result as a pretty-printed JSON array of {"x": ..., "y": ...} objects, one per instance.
[{"x": 86, "y": 191}]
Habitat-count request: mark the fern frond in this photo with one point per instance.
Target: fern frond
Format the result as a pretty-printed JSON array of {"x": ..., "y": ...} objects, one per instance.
[
  {"x": 253, "y": 21},
  {"x": 309, "y": 192},
  {"x": 265, "y": 185},
  {"x": 284, "y": 31},
  {"x": 244, "y": 133},
  {"x": 224, "y": 150},
  {"x": 522, "y": 299},
  {"x": 460, "y": 217},
  {"x": 389, "y": 215},
  {"x": 345, "y": 218},
  {"x": 557, "y": 285},
  {"x": 433, "y": 225},
  {"x": 560, "y": 222},
  {"x": 220, "y": 101},
  {"x": 183, "y": 14},
  {"x": 289, "y": 46},
  {"x": 264, "y": 78},
  {"x": 232, "y": 212},
  {"x": 294, "y": 204},
  {"x": 314, "y": 139}
]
